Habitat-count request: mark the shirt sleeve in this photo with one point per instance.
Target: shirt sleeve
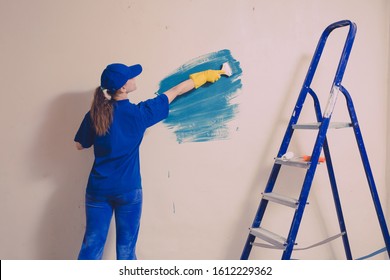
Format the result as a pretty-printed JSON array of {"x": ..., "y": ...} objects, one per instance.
[
  {"x": 154, "y": 110},
  {"x": 85, "y": 135}
]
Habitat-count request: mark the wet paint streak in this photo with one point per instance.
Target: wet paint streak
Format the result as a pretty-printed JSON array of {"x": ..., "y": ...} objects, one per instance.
[{"x": 203, "y": 114}]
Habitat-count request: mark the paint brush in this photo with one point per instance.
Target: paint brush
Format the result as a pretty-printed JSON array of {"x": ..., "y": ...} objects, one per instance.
[{"x": 228, "y": 70}]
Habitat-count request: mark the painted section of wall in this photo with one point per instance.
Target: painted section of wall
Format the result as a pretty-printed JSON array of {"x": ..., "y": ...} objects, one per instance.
[{"x": 204, "y": 114}]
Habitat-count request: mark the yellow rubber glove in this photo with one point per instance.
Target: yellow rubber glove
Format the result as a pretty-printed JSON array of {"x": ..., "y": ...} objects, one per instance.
[{"x": 203, "y": 77}]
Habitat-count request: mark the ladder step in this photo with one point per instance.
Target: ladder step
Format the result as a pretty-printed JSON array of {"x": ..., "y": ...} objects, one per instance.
[
  {"x": 284, "y": 200},
  {"x": 266, "y": 235},
  {"x": 329, "y": 239},
  {"x": 335, "y": 125},
  {"x": 296, "y": 162}
]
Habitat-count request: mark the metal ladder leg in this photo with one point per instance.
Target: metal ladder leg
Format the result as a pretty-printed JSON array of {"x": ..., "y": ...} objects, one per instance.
[
  {"x": 274, "y": 174},
  {"x": 367, "y": 169},
  {"x": 305, "y": 189},
  {"x": 260, "y": 212},
  {"x": 337, "y": 202},
  {"x": 332, "y": 180}
]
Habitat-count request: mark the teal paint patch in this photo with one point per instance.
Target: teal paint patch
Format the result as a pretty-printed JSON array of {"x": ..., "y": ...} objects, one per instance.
[{"x": 203, "y": 114}]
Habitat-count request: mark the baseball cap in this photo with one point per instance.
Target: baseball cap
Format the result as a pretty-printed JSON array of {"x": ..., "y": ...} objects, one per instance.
[{"x": 116, "y": 75}]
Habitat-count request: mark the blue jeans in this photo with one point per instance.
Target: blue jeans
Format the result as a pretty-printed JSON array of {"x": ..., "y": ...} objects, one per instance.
[{"x": 99, "y": 209}]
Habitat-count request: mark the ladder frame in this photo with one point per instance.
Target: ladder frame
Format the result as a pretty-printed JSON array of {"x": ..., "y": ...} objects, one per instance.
[{"x": 321, "y": 143}]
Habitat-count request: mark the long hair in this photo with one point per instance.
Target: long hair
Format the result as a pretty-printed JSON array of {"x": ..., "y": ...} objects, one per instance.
[{"x": 102, "y": 111}]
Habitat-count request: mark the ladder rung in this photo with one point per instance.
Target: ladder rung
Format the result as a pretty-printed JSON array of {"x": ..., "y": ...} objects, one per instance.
[
  {"x": 268, "y": 236},
  {"x": 329, "y": 239},
  {"x": 293, "y": 162},
  {"x": 335, "y": 125},
  {"x": 284, "y": 200}
]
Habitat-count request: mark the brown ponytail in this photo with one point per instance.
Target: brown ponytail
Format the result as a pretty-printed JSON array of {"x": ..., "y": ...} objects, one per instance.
[{"x": 101, "y": 111}]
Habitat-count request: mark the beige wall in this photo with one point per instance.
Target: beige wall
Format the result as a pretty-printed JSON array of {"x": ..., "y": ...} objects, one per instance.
[
  {"x": 52, "y": 54},
  {"x": 388, "y": 112}
]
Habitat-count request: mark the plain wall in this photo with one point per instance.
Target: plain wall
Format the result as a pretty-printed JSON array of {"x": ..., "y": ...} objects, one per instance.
[
  {"x": 388, "y": 112},
  {"x": 199, "y": 198}
]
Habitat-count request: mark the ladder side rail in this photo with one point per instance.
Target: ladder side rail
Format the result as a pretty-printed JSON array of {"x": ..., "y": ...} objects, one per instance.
[
  {"x": 260, "y": 211},
  {"x": 332, "y": 179},
  {"x": 337, "y": 201},
  {"x": 275, "y": 171},
  {"x": 345, "y": 53},
  {"x": 321, "y": 45},
  {"x": 325, "y": 119},
  {"x": 256, "y": 223},
  {"x": 285, "y": 143},
  {"x": 367, "y": 168},
  {"x": 304, "y": 90},
  {"x": 324, "y": 124},
  {"x": 305, "y": 189}
]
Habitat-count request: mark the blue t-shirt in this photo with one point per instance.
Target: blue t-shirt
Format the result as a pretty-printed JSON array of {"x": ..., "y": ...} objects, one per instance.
[{"x": 116, "y": 168}]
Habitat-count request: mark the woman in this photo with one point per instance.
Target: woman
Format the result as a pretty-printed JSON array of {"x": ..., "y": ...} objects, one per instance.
[{"x": 115, "y": 127}]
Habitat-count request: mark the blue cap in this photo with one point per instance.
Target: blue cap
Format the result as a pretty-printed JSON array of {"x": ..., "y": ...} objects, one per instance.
[{"x": 116, "y": 75}]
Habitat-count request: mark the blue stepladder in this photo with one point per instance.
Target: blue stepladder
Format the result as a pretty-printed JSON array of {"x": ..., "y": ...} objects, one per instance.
[{"x": 286, "y": 244}]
